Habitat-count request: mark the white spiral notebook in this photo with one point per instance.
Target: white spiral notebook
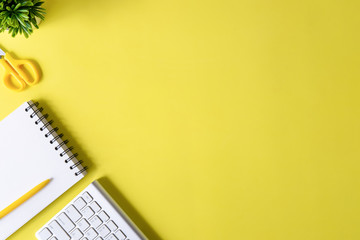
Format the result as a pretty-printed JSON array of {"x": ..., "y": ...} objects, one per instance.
[{"x": 31, "y": 151}]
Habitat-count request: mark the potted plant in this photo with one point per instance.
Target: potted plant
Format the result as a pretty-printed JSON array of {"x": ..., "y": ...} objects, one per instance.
[{"x": 19, "y": 16}]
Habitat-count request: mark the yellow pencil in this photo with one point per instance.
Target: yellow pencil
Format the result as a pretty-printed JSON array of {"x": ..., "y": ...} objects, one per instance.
[{"x": 22, "y": 199}]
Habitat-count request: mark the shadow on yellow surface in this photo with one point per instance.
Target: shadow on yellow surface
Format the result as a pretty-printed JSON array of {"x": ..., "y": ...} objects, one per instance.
[{"x": 129, "y": 209}]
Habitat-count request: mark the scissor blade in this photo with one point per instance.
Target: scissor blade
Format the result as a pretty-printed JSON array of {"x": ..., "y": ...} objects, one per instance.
[{"x": 2, "y": 53}]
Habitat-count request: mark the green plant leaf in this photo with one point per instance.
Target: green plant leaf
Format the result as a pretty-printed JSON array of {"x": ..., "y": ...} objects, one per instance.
[
  {"x": 17, "y": 6},
  {"x": 19, "y": 16}
]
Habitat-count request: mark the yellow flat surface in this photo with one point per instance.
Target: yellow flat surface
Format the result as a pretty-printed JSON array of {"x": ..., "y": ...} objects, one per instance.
[{"x": 211, "y": 119}]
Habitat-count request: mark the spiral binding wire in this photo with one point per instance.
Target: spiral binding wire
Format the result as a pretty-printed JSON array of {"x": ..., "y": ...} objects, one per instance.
[{"x": 59, "y": 136}]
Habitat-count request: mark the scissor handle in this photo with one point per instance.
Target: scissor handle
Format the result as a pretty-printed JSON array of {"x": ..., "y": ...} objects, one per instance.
[
  {"x": 19, "y": 65},
  {"x": 10, "y": 76}
]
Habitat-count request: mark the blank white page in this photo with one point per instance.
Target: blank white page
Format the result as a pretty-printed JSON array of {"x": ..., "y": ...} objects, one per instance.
[{"x": 26, "y": 159}]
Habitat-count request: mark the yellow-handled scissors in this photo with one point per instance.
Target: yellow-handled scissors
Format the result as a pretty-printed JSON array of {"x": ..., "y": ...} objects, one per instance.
[{"x": 18, "y": 73}]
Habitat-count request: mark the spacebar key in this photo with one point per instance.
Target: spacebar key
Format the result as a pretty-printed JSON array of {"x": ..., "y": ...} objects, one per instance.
[{"x": 58, "y": 231}]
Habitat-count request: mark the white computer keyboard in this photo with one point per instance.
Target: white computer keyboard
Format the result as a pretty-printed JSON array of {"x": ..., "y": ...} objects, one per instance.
[{"x": 93, "y": 214}]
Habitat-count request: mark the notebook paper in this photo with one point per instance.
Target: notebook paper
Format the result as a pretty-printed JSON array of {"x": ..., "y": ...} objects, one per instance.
[{"x": 26, "y": 159}]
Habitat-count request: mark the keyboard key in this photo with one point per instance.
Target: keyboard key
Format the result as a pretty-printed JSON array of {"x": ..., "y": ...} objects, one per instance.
[
  {"x": 87, "y": 197},
  {"x": 73, "y": 213},
  {"x": 95, "y": 222},
  {"x": 120, "y": 235},
  {"x": 112, "y": 237},
  {"x": 104, "y": 231},
  {"x": 91, "y": 234},
  {"x": 89, "y": 216},
  {"x": 65, "y": 222},
  {"x": 83, "y": 224},
  {"x": 76, "y": 234},
  {"x": 88, "y": 212},
  {"x": 103, "y": 215},
  {"x": 79, "y": 203},
  {"x": 112, "y": 226},
  {"x": 95, "y": 206},
  {"x": 45, "y": 234},
  {"x": 56, "y": 229}
]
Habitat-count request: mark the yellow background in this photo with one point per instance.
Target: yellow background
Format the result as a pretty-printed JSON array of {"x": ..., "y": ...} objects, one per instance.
[{"x": 211, "y": 119}]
